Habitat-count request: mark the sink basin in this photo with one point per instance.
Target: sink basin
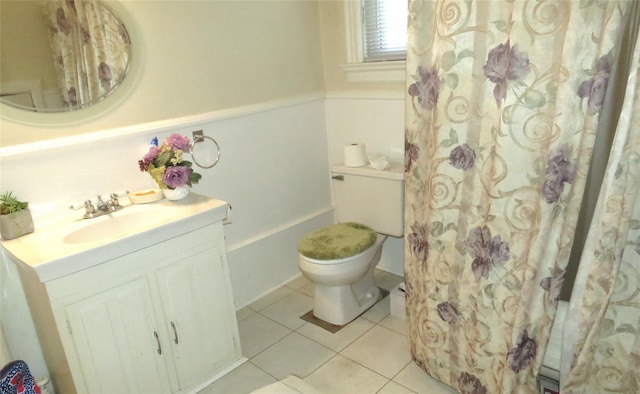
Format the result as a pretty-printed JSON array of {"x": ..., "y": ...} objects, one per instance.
[
  {"x": 115, "y": 225},
  {"x": 69, "y": 246}
]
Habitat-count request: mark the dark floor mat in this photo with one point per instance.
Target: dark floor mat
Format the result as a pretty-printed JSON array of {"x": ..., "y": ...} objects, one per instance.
[{"x": 333, "y": 328}]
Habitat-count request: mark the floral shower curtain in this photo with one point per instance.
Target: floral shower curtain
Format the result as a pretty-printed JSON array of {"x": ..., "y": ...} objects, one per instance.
[
  {"x": 90, "y": 47},
  {"x": 502, "y": 109},
  {"x": 601, "y": 344}
]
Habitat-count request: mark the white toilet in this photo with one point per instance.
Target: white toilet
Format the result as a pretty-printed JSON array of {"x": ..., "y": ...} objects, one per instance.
[{"x": 340, "y": 259}]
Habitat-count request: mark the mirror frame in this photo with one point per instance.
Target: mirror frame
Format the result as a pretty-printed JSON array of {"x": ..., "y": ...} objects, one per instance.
[{"x": 124, "y": 90}]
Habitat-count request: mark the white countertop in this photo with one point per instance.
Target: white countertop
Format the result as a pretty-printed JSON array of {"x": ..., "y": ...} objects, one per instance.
[{"x": 66, "y": 247}]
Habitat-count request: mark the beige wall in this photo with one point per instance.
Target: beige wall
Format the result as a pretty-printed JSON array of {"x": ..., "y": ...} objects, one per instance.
[
  {"x": 202, "y": 56},
  {"x": 334, "y": 52},
  {"x": 24, "y": 36}
]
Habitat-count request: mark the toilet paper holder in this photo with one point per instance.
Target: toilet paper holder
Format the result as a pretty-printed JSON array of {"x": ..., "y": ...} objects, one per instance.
[{"x": 198, "y": 137}]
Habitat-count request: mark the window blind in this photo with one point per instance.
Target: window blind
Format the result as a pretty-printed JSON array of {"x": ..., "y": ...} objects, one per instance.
[{"x": 384, "y": 29}]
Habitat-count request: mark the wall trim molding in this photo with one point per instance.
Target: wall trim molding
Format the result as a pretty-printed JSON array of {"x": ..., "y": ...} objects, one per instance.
[
  {"x": 367, "y": 95},
  {"x": 277, "y": 229},
  {"x": 161, "y": 125}
]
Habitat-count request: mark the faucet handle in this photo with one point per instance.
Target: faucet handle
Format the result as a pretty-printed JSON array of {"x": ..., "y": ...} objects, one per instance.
[{"x": 80, "y": 204}]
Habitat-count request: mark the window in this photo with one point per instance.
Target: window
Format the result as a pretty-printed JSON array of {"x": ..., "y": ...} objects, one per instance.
[
  {"x": 376, "y": 40},
  {"x": 384, "y": 26}
]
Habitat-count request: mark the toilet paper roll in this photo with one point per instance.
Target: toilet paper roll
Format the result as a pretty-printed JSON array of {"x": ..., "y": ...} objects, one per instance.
[{"x": 355, "y": 155}]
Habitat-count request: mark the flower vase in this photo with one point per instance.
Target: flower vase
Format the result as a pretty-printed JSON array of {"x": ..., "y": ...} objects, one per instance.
[{"x": 178, "y": 193}]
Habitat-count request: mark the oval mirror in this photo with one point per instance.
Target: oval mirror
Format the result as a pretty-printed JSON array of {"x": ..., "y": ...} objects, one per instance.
[{"x": 60, "y": 55}]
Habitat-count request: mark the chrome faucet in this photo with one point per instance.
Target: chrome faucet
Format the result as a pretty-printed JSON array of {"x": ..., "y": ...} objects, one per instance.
[{"x": 101, "y": 207}]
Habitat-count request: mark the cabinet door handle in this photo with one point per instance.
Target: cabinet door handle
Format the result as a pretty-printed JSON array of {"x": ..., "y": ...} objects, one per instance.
[
  {"x": 155, "y": 333},
  {"x": 175, "y": 333}
]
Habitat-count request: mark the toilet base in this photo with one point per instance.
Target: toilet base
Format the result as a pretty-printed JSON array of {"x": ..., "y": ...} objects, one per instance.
[{"x": 341, "y": 304}]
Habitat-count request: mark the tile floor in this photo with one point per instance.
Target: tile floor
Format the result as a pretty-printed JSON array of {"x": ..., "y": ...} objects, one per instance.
[{"x": 369, "y": 355}]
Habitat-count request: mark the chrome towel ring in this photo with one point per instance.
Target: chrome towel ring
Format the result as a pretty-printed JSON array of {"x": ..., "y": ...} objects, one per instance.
[{"x": 206, "y": 160}]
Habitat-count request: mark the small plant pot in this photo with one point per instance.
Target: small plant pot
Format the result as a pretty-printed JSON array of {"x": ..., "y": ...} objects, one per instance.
[{"x": 16, "y": 224}]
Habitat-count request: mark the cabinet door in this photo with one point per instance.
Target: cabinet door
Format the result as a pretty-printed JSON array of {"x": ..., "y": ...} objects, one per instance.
[
  {"x": 198, "y": 308},
  {"x": 117, "y": 342}
]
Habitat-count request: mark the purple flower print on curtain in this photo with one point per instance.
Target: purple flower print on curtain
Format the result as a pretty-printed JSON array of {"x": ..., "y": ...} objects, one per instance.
[
  {"x": 505, "y": 63},
  {"x": 418, "y": 241},
  {"x": 411, "y": 154},
  {"x": 596, "y": 88},
  {"x": 521, "y": 355},
  {"x": 462, "y": 157},
  {"x": 448, "y": 312},
  {"x": 485, "y": 251},
  {"x": 559, "y": 171},
  {"x": 470, "y": 384},
  {"x": 427, "y": 88}
]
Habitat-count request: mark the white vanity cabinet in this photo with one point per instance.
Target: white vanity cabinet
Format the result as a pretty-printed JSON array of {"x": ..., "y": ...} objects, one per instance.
[{"x": 159, "y": 319}]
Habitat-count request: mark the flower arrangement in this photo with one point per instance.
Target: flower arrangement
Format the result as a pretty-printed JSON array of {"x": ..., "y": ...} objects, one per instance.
[{"x": 165, "y": 163}]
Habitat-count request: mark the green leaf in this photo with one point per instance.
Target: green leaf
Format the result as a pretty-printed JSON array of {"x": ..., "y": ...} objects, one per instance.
[
  {"x": 453, "y": 136},
  {"x": 436, "y": 229},
  {"x": 626, "y": 328},
  {"x": 163, "y": 158},
  {"x": 586, "y": 3},
  {"x": 634, "y": 224},
  {"x": 502, "y": 26},
  {"x": 448, "y": 60},
  {"x": 534, "y": 99},
  {"x": 445, "y": 143},
  {"x": 451, "y": 80},
  {"x": 466, "y": 53},
  {"x": 489, "y": 290},
  {"x": 194, "y": 177}
]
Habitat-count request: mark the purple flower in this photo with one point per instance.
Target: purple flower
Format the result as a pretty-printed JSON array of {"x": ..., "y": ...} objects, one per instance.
[
  {"x": 418, "y": 241},
  {"x": 148, "y": 159},
  {"x": 553, "y": 284},
  {"x": 470, "y": 384},
  {"x": 427, "y": 88},
  {"x": 462, "y": 157},
  {"x": 178, "y": 141},
  {"x": 448, "y": 312},
  {"x": 485, "y": 251},
  {"x": 521, "y": 355},
  {"x": 64, "y": 24},
  {"x": 73, "y": 96},
  {"x": 411, "y": 154},
  {"x": 104, "y": 73},
  {"x": 176, "y": 176},
  {"x": 558, "y": 171},
  {"x": 596, "y": 88},
  {"x": 504, "y": 63}
]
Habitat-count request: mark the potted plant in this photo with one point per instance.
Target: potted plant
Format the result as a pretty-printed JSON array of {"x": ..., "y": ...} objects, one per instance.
[{"x": 15, "y": 217}]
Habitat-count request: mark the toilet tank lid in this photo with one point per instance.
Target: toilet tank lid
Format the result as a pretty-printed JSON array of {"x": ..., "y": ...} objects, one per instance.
[{"x": 395, "y": 171}]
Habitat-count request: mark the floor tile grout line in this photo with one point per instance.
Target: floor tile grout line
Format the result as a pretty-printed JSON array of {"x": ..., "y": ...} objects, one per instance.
[{"x": 334, "y": 352}]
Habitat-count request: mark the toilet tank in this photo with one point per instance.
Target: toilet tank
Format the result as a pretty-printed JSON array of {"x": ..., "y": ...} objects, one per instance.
[{"x": 371, "y": 197}]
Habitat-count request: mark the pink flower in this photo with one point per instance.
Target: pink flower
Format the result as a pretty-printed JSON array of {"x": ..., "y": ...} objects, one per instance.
[{"x": 178, "y": 141}]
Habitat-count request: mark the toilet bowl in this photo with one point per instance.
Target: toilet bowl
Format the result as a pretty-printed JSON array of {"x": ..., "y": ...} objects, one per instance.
[
  {"x": 344, "y": 288},
  {"x": 341, "y": 265}
]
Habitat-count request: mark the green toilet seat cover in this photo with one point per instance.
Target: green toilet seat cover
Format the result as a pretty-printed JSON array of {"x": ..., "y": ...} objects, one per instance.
[{"x": 337, "y": 241}]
